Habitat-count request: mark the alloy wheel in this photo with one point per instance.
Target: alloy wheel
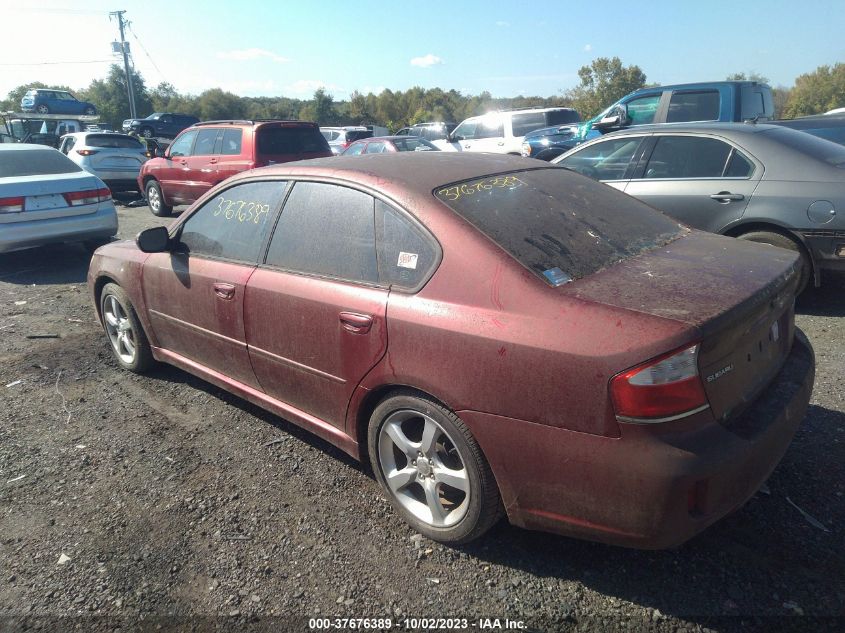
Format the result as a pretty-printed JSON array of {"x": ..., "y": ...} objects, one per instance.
[
  {"x": 423, "y": 468},
  {"x": 119, "y": 329}
]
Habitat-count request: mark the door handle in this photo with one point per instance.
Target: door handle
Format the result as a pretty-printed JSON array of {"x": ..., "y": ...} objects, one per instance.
[
  {"x": 213, "y": 161},
  {"x": 467, "y": 146},
  {"x": 726, "y": 196},
  {"x": 224, "y": 291},
  {"x": 356, "y": 323},
  {"x": 500, "y": 143}
]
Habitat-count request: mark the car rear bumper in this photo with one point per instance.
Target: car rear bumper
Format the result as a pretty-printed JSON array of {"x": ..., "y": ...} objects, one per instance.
[
  {"x": 101, "y": 224},
  {"x": 654, "y": 487},
  {"x": 825, "y": 245}
]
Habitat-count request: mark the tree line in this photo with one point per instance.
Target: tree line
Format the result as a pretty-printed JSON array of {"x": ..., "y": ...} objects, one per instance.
[{"x": 602, "y": 83}]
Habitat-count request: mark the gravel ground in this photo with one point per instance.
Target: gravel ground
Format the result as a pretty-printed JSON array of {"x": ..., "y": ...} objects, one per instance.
[{"x": 163, "y": 503}]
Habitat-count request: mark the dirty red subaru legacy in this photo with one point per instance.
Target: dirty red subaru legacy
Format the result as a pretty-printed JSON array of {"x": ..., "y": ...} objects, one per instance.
[{"x": 495, "y": 336}]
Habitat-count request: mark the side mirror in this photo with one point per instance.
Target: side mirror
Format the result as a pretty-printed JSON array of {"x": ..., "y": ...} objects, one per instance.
[
  {"x": 617, "y": 117},
  {"x": 154, "y": 240}
]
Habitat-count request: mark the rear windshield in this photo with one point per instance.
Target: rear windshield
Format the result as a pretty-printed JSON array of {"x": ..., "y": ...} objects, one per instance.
[
  {"x": 557, "y": 224},
  {"x": 114, "y": 141},
  {"x": 810, "y": 145},
  {"x": 290, "y": 140},
  {"x": 354, "y": 135},
  {"x": 35, "y": 162}
]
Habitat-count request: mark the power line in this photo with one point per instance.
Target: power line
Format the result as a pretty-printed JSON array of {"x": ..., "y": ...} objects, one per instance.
[
  {"x": 131, "y": 30},
  {"x": 88, "y": 61}
]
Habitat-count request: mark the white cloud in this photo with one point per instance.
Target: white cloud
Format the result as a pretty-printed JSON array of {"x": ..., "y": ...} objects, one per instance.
[
  {"x": 588, "y": 48},
  {"x": 308, "y": 86},
  {"x": 426, "y": 61},
  {"x": 502, "y": 23},
  {"x": 249, "y": 54}
]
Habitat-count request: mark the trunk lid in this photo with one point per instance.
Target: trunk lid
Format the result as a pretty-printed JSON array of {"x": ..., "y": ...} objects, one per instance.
[
  {"x": 738, "y": 295},
  {"x": 43, "y": 195}
]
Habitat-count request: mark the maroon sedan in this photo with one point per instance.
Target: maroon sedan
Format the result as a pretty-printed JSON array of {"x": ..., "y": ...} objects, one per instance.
[
  {"x": 389, "y": 145},
  {"x": 496, "y": 336}
]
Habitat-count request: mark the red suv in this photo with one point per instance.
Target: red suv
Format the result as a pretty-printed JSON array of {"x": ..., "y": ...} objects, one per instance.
[{"x": 207, "y": 153}]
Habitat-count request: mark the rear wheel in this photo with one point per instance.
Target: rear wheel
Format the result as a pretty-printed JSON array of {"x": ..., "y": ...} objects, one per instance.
[
  {"x": 155, "y": 200},
  {"x": 127, "y": 338},
  {"x": 782, "y": 241},
  {"x": 432, "y": 469},
  {"x": 42, "y": 109}
]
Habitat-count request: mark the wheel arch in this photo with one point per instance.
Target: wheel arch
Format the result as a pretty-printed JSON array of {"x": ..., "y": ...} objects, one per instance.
[{"x": 772, "y": 227}]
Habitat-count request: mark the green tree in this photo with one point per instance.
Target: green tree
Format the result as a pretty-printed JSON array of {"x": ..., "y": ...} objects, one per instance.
[
  {"x": 321, "y": 108},
  {"x": 752, "y": 76},
  {"x": 603, "y": 83},
  {"x": 109, "y": 95},
  {"x": 817, "y": 92},
  {"x": 216, "y": 104}
]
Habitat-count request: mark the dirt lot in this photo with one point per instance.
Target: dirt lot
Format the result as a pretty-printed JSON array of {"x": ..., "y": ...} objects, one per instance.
[{"x": 157, "y": 501}]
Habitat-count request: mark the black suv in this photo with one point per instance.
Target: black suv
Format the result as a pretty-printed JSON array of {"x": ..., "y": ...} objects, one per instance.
[{"x": 160, "y": 124}]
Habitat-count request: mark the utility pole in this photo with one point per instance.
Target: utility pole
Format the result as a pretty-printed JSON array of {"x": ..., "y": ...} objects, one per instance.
[{"x": 120, "y": 23}]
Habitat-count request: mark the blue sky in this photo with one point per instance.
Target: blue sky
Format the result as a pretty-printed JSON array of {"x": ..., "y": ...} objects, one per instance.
[{"x": 508, "y": 48}]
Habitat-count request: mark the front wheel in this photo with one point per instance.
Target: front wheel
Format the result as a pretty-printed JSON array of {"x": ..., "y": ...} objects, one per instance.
[
  {"x": 147, "y": 132},
  {"x": 432, "y": 469},
  {"x": 155, "y": 200},
  {"x": 90, "y": 111},
  {"x": 782, "y": 241},
  {"x": 128, "y": 340}
]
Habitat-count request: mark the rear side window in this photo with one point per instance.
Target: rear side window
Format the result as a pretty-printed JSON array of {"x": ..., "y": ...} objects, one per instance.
[
  {"x": 232, "y": 140},
  {"x": 114, "y": 141},
  {"x": 326, "y": 230},
  {"x": 405, "y": 254},
  {"x": 290, "y": 140},
  {"x": 35, "y": 162},
  {"x": 688, "y": 157},
  {"x": 526, "y": 122},
  {"x": 235, "y": 223},
  {"x": 205, "y": 142},
  {"x": 558, "y": 225},
  {"x": 693, "y": 106}
]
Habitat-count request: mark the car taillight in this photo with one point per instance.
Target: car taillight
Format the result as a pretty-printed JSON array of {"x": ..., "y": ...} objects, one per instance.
[
  {"x": 86, "y": 152},
  {"x": 666, "y": 387},
  {"x": 91, "y": 196},
  {"x": 11, "y": 205}
]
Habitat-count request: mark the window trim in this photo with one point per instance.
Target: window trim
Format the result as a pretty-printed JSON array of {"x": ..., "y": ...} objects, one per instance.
[
  {"x": 377, "y": 195},
  {"x": 645, "y": 157}
]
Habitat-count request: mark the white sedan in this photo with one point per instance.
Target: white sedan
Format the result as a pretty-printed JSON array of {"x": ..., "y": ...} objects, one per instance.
[{"x": 47, "y": 198}]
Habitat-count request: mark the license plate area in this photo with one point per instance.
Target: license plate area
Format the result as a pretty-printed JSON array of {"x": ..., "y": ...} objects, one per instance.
[{"x": 48, "y": 201}]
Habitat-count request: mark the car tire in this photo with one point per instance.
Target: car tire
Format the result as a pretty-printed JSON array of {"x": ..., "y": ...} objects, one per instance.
[
  {"x": 128, "y": 341},
  {"x": 782, "y": 241},
  {"x": 90, "y": 111},
  {"x": 441, "y": 483},
  {"x": 155, "y": 200},
  {"x": 42, "y": 109},
  {"x": 147, "y": 132}
]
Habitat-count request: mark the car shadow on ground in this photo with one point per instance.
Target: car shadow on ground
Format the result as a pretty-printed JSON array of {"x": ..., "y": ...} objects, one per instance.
[
  {"x": 828, "y": 300},
  {"x": 54, "y": 264},
  {"x": 705, "y": 580}
]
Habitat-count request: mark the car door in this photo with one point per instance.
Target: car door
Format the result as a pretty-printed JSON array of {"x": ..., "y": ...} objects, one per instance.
[
  {"x": 700, "y": 180},
  {"x": 166, "y": 126},
  {"x": 487, "y": 135},
  {"x": 195, "y": 293},
  {"x": 173, "y": 174},
  {"x": 201, "y": 166},
  {"x": 609, "y": 160},
  {"x": 315, "y": 313}
]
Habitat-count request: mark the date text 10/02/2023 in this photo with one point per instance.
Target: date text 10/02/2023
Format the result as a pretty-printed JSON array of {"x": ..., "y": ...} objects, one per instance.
[{"x": 416, "y": 624}]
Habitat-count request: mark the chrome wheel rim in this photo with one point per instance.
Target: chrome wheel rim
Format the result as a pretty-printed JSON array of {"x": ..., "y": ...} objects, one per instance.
[
  {"x": 119, "y": 329},
  {"x": 423, "y": 469},
  {"x": 147, "y": 133},
  {"x": 153, "y": 199}
]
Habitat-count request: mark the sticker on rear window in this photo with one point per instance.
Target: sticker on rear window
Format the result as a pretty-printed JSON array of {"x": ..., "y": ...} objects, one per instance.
[
  {"x": 407, "y": 260},
  {"x": 556, "y": 276}
]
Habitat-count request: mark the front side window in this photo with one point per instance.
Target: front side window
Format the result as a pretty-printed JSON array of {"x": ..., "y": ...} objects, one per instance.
[
  {"x": 688, "y": 157},
  {"x": 481, "y": 127},
  {"x": 694, "y": 106},
  {"x": 326, "y": 230},
  {"x": 642, "y": 111},
  {"x": 605, "y": 160},
  {"x": 182, "y": 145},
  {"x": 235, "y": 223}
]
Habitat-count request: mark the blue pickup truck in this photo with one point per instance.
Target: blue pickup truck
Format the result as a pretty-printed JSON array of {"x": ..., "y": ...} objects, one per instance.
[{"x": 682, "y": 103}]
